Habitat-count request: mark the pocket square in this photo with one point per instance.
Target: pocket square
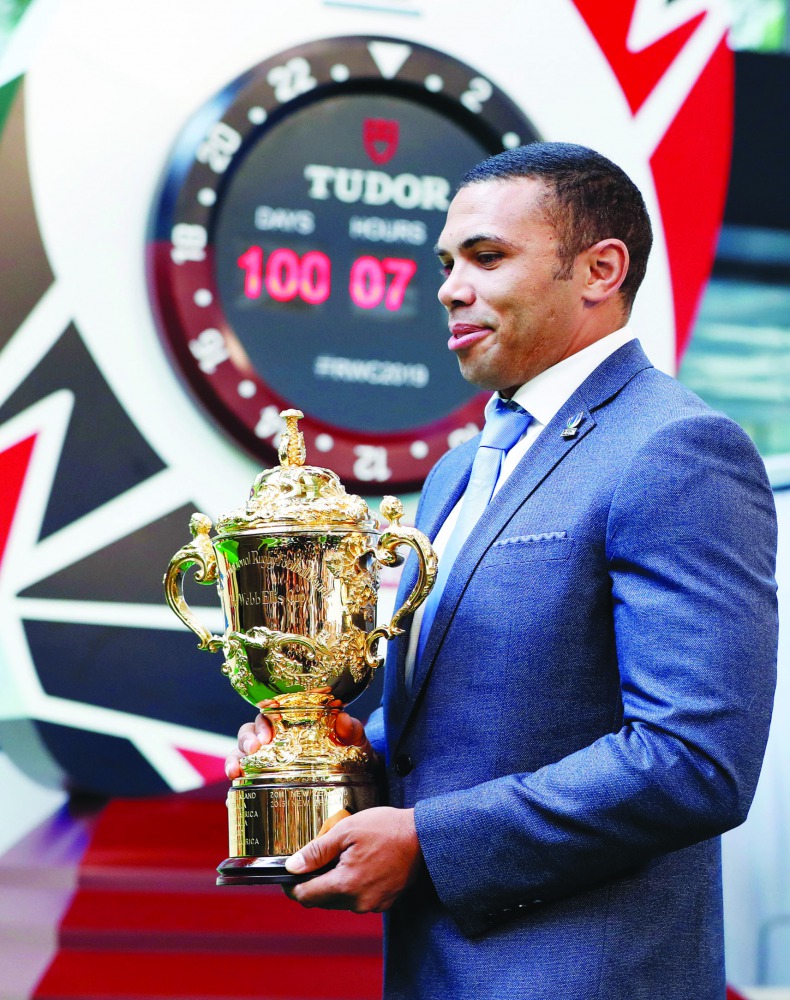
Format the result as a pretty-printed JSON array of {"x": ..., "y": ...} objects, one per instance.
[{"x": 544, "y": 536}]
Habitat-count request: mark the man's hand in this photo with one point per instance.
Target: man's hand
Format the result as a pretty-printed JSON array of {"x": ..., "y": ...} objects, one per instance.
[
  {"x": 378, "y": 856},
  {"x": 254, "y": 735}
]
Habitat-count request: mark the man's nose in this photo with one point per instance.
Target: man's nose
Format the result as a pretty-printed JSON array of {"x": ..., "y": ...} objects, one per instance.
[{"x": 456, "y": 290}]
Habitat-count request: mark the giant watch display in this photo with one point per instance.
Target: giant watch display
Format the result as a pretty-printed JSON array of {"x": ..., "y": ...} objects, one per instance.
[{"x": 291, "y": 255}]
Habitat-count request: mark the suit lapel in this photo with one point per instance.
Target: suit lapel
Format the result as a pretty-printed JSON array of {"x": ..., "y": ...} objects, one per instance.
[
  {"x": 542, "y": 458},
  {"x": 549, "y": 449},
  {"x": 453, "y": 475}
]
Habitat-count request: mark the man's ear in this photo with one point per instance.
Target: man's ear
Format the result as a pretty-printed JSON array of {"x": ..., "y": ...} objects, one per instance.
[{"x": 605, "y": 267}]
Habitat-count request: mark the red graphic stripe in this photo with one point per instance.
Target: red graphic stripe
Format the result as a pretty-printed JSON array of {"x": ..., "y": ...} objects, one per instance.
[
  {"x": 691, "y": 170},
  {"x": 638, "y": 72},
  {"x": 14, "y": 462},
  {"x": 209, "y": 767}
]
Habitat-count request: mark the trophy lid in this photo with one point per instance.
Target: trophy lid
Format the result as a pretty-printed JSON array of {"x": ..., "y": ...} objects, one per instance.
[{"x": 295, "y": 495}]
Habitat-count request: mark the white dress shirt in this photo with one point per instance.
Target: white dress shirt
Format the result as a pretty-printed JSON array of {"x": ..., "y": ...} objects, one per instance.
[{"x": 543, "y": 396}]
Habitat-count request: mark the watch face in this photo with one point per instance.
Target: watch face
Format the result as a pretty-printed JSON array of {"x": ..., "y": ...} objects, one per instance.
[{"x": 292, "y": 258}]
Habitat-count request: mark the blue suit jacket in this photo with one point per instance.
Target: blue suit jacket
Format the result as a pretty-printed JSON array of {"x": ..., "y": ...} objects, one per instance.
[{"x": 591, "y": 708}]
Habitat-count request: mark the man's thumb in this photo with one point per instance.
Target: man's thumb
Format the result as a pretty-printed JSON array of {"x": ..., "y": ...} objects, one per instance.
[{"x": 317, "y": 854}]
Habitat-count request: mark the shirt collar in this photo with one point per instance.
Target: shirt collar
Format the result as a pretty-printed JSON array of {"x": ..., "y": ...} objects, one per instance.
[{"x": 544, "y": 395}]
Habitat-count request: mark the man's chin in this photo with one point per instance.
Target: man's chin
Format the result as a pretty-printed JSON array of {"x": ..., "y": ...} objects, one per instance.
[{"x": 479, "y": 376}]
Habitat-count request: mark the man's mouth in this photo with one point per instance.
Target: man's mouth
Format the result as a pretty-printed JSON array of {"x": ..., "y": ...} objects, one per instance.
[{"x": 465, "y": 334}]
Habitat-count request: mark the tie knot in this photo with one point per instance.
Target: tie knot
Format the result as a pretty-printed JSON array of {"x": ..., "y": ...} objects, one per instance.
[{"x": 505, "y": 424}]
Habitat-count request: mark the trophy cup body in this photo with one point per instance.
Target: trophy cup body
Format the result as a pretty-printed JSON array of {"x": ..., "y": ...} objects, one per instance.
[{"x": 297, "y": 571}]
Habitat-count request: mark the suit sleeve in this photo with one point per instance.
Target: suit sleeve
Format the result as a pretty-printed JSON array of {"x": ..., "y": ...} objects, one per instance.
[{"x": 690, "y": 546}]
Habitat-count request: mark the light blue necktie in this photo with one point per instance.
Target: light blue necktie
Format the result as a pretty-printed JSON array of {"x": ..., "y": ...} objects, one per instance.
[{"x": 505, "y": 423}]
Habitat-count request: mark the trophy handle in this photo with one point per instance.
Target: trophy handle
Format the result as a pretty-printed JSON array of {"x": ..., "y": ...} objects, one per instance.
[
  {"x": 198, "y": 552},
  {"x": 395, "y": 536}
]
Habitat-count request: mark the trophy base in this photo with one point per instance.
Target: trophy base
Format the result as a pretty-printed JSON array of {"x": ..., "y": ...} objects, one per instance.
[
  {"x": 259, "y": 871},
  {"x": 271, "y": 816}
]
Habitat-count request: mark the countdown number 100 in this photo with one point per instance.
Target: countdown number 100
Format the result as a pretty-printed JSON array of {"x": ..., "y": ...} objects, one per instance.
[{"x": 285, "y": 276}]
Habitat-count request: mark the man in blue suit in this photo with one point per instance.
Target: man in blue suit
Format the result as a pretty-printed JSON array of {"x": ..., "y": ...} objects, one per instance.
[{"x": 581, "y": 709}]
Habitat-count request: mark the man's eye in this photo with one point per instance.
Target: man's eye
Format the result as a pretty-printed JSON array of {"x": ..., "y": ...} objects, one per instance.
[
  {"x": 445, "y": 267},
  {"x": 488, "y": 258}
]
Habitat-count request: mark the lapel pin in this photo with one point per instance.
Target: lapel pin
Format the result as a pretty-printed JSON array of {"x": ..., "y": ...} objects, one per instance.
[{"x": 572, "y": 426}]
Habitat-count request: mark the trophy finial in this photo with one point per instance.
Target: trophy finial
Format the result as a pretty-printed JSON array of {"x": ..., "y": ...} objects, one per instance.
[
  {"x": 392, "y": 509},
  {"x": 292, "y": 450},
  {"x": 296, "y": 494}
]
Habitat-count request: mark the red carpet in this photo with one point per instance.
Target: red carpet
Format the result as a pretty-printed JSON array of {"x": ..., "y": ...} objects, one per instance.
[{"x": 146, "y": 920}]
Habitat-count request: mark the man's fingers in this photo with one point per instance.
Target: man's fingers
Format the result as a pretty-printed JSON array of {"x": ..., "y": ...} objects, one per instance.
[
  {"x": 254, "y": 735},
  {"x": 233, "y": 764},
  {"x": 247, "y": 737},
  {"x": 349, "y": 730}
]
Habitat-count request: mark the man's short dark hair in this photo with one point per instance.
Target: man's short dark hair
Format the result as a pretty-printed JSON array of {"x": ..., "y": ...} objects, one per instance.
[{"x": 590, "y": 199}]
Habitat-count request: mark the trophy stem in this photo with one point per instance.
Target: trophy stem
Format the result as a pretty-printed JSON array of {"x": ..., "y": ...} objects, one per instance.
[
  {"x": 290, "y": 788},
  {"x": 303, "y": 727}
]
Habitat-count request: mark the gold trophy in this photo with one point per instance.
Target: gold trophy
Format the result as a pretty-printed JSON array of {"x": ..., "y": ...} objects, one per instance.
[{"x": 297, "y": 571}]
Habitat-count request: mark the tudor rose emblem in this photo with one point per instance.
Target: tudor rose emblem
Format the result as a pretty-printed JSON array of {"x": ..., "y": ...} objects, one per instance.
[{"x": 380, "y": 138}]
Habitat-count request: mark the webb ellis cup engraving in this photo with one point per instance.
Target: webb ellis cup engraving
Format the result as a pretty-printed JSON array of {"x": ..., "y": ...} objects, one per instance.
[{"x": 297, "y": 571}]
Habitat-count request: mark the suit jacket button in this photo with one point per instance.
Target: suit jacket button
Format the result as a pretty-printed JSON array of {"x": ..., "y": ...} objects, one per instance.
[{"x": 403, "y": 764}]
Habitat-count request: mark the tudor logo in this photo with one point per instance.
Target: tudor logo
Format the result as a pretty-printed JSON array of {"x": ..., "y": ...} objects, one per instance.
[
  {"x": 380, "y": 138},
  {"x": 374, "y": 187}
]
